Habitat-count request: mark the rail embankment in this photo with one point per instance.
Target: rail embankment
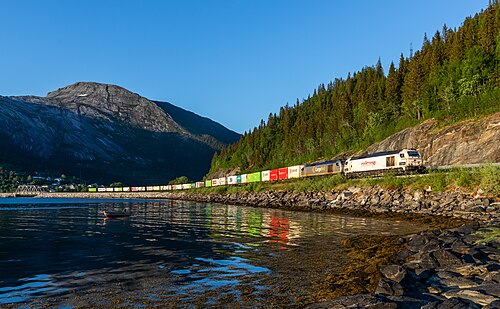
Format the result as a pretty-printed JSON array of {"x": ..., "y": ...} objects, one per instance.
[{"x": 355, "y": 200}]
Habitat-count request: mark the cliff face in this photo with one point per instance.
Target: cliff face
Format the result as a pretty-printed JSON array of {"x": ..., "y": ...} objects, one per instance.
[
  {"x": 107, "y": 133},
  {"x": 475, "y": 141}
]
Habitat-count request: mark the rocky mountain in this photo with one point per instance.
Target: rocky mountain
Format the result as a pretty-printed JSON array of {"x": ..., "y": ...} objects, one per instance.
[
  {"x": 106, "y": 133},
  {"x": 468, "y": 142}
]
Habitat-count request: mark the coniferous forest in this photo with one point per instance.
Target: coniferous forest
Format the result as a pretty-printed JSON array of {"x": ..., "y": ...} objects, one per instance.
[{"x": 454, "y": 75}]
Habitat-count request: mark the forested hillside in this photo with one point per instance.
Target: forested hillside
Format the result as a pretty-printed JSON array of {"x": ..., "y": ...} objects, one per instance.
[{"x": 454, "y": 76}]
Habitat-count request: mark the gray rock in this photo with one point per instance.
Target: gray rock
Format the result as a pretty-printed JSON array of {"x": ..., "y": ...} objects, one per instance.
[
  {"x": 469, "y": 270},
  {"x": 418, "y": 242},
  {"x": 356, "y": 302},
  {"x": 447, "y": 274},
  {"x": 493, "y": 305},
  {"x": 423, "y": 274},
  {"x": 409, "y": 302},
  {"x": 453, "y": 303},
  {"x": 388, "y": 287},
  {"x": 446, "y": 258},
  {"x": 459, "y": 282},
  {"x": 493, "y": 276},
  {"x": 432, "y": 245},
  {"x": 395, "y": 273},
  {"x": 475, "y": 296},
  {"x": 459, "y": 246},
  {"x": 434, "y": 289},
  {"x": 493, "y": 289}
]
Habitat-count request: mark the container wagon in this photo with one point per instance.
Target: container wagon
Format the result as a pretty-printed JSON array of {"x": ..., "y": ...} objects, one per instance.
[
  {"x": 232, "y": 180},
  {"x": 322, "y": 168},
  {"x": 266, "y": 175},
  {"x": 273, "y": 175},
  {"x": 254, "y": 177},
  {"x": 294, "y": 171},
  {"x": 200, "y": 184},
  {"x": 283, "y": 173}
]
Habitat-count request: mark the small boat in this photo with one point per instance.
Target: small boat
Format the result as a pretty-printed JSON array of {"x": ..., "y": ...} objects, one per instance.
[{"x": 117, "y": 214}]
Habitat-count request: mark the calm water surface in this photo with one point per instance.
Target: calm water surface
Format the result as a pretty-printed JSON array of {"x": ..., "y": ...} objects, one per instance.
[{"x": 63, "y": 252}]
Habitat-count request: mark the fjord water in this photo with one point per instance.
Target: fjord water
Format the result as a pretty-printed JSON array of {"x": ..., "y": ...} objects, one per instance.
[{"x": 65, "y": 253}]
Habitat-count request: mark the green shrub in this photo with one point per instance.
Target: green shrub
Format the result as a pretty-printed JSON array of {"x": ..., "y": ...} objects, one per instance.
[{"x": 490, "y": 179}]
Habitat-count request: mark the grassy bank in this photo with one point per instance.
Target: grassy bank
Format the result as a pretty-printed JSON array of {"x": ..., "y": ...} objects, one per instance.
[{"x": 486, "y": 178}]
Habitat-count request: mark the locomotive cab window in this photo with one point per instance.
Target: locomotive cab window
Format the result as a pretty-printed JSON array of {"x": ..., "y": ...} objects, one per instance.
[{"x": 413, "y": 154}]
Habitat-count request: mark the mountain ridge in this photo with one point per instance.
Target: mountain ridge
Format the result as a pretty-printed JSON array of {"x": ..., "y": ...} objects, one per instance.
[{"x": 107, "y": 133}]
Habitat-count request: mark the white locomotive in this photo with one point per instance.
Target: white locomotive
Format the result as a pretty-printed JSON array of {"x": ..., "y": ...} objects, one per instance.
[{"x": 399, "y": 161}]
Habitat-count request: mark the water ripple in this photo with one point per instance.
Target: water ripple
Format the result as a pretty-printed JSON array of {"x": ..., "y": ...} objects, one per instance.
[{"x": 52, "y": 249}]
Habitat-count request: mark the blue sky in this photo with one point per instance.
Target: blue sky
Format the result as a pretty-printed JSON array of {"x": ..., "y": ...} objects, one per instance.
[{"x": 233, "y": 61}]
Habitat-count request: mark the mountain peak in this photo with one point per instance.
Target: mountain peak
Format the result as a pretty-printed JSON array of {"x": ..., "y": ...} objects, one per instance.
[
  {"x": 84, "y": 89},
  {"x": 111, "y": 102}
]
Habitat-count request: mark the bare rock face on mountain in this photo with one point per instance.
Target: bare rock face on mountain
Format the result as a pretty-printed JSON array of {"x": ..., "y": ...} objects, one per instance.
[
  {"x": 110, "y": 102},
  {"x": 107, "y": 133},
  {"x": 474, "y": 141}
]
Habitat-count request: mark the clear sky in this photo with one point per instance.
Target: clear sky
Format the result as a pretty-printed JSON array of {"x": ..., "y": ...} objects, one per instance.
[{"x": 233, "y": 61}]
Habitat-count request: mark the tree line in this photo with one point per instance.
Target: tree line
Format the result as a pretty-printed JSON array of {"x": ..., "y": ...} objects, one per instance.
[{"x": 454, "y": 76}]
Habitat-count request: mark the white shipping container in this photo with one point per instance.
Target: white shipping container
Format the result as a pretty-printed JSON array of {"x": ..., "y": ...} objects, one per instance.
[
  {"x": 200, "y": 184},
  {"x": 109, "y": 189},
  {"x": 215, "y": 182},
  {"x": 232, "y": 180},
  {"x": 156, "y": 188},
  {"x": 294, "y": 171},
  {"x": 149, "y": 188},
  {"x": 266, "y": 175},
  {"x": 126, "y": 189},
  {"x": 186, "y": 186},
  {"x": 222, "y": 181},
  {"x": 101, "y": 189}
]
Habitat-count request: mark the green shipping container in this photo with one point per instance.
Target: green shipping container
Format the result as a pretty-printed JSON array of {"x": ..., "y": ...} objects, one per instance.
[
  {"x": 254, "y": 177},
  {"x": 92, "y": 189},
  {"x": 208, "y": 183}
]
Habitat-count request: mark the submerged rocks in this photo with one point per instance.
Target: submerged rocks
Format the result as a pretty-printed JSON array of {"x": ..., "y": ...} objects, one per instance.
[{"x": 438, "y": 273}]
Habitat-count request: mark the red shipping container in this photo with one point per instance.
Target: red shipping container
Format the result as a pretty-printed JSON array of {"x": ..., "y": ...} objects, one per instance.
[
  {"x": 283, "y": 173},
  {"x": 273, "y": 175}
]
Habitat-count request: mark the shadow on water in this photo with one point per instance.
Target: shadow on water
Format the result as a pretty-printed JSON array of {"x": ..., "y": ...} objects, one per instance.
[{"x": 64, "y": 252}]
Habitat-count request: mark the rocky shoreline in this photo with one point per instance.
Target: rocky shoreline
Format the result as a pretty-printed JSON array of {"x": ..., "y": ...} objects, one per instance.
[
  {"x": 366, "y": 201},
  {"x": 444, "y": 268},
  {"x": 450, "y": 268}
]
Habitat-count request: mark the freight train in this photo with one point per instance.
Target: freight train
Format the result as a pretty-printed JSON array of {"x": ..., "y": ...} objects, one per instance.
[{"x": 398, "y": 162}]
